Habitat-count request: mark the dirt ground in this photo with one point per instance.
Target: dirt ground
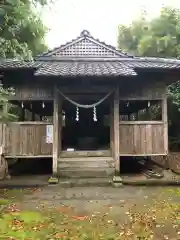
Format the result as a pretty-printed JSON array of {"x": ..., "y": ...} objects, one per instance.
[
  {"x": 89, "y": 199},
  {"x": 127, "y": 212}
]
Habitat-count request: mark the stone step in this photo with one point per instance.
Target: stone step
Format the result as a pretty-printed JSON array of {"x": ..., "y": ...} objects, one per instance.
[
  {"x": 77, "y": 154},
  {"x": 86, "y": 173},
  {"x": 86, "y": 167},
  {"x": 92, "y": 162}
]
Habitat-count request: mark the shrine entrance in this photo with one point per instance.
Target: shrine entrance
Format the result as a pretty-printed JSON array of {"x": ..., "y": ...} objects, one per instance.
[{"x": 85, "y": 129}]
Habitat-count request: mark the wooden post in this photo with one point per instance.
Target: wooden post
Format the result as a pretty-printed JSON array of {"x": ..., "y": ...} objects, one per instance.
[
  {"x": 57, "y": 125},
  {"x": 111, "y": 125},
  {"x": 116, "y": 152},
  {"x": 165, "y": 122}
]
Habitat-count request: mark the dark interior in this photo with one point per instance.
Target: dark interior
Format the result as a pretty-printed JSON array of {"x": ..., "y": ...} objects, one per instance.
[
  {"x": 34, "y": 166},
  {"x": 85, "y": 134},
  {"x": 130, "y": 165}
]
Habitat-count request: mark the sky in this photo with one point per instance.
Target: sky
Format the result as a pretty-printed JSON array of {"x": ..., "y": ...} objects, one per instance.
[{"x": 65, "y": 19}]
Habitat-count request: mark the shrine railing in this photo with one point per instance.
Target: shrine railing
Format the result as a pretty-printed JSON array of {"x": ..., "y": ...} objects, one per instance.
[
  {"x": 142, "y": 138},
  {"x": 27, "y": 139}
]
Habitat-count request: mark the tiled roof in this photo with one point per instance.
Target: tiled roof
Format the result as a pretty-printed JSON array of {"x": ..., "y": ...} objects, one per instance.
[
  {"x": 13, "y": 63},
  {"x": 87, "y": 56},
  {"x": 99, "y": 67},
  {"x": 152, "y": 63},
  {"x": 85, "y": 68},
  {"x": 92, "y": 67}
]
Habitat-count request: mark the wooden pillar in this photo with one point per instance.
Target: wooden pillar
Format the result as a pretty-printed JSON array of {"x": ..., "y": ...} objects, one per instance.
[
  {"x": 57, "y": 126},
  {"x": 111, "y": 125},
  {"x": 165, "y": 123},
  {"x": 116, "y": 148}
]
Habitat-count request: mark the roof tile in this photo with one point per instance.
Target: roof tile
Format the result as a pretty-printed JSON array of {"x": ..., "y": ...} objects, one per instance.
[
  {"x": 87, "y": 56},
  {"x": 85, "y": 69}
]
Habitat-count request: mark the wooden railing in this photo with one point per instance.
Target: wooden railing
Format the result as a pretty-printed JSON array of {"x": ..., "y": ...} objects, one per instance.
[
  {"x": 27, "y": 139},
  {"x": 142, "y": 138},
  {"x": 137, "y": 138}
]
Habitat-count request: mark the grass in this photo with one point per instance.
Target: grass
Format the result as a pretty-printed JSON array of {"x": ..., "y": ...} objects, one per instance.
[{"x": 159, "y": 219}]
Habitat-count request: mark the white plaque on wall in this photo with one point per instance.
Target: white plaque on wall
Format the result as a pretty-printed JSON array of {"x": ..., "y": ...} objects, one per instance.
[{"x": 49, "y": 134}]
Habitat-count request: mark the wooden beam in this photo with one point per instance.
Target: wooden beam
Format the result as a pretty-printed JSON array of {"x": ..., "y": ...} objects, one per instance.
[
  {"x": 141, "y": 154},
  {"x": 30, "y": 123},
  {"x": 28, "y": 156},
  {"x": 112, "y": 126},
  {"x": 2, "y": 134},
  {"x": 116, "y": 132},
  {"x": 32, "y": 92},
  {"x": 83, "y": 90},
  {"x": 165, "y": 121},
  {"x": 141, "y": 122},
  {"x": 57, "y": 125}
]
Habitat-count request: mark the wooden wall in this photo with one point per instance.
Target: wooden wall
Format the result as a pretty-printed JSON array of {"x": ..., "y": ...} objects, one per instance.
[
  {"x": 33, "y": 92},
  {"x": 27, "y": 139},
  {"x": 135, "y": 138},
  {"x": 132, "y": 91},
  {"x": 148, "y": 91},
  {"x": 142, "y": 139}
]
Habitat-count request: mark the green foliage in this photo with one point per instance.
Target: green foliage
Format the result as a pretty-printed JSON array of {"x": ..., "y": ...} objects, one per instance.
[
  {"x": 21, "y": 36},
  {"x": 21, "y": 30},
  {"x": 6, "y": 108},
  {"x": 159, "y": 37}
]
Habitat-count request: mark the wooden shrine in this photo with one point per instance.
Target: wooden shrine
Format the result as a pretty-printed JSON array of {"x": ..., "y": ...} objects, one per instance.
[{"x": 86, "y": 104}]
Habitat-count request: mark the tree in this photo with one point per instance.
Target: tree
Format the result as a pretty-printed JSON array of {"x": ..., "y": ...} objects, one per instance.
[
  {"x": 21, "y": 36},
  {"x": 21, "y": 30},
  {"x": 159, "y": 37}
]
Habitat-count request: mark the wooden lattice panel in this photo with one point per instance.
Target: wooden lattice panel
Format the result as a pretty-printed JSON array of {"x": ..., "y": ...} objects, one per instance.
[{"x": 85, "y": 47}]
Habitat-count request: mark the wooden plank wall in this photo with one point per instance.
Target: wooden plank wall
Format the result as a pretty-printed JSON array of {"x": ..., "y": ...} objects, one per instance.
[
  {"x": 149, "y": 91},
  {"x": 142, "y": 139},
  {"x": 27, "y": 140},
  {"x": 33, "y": 92}
]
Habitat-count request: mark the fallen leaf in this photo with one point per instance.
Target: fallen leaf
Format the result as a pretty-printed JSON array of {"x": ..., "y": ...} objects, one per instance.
[{"x": 81, "y": 218}]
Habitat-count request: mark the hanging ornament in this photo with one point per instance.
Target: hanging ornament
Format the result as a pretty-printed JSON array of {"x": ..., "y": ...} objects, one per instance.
[
  {"x": 94, "y": 114},
  {"x": 43, "y": 105},
  {"x": 31, "y": 106},
  {"x": 77, "y": 114},
  {"x": 127, "y": 105},
  {"x": 149, "y": 104},
  {"x": 22, "y": 105}
]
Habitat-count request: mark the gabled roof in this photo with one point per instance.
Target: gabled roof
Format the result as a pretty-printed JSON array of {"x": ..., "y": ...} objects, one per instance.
[
  {"x": 85, "y": 46},
  {"x": 87, "y": 56}
]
